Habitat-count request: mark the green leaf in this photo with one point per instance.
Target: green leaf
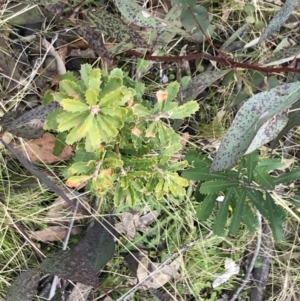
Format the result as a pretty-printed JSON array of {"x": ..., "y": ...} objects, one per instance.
[
  {"x": 219, "y": 227},
  {"x": 251, "y": 161},
  {"x": 270, "y": 164},
  {"x": 216, "y": 186},
  {"x": 72, "y": 89},
  {"x": 141, "y": 111},
  {"x": 111, "y": 98},
  {"x": 250, "y": 118},
  {"x": 75, "y": 181},
  {"x": 257, "y": 199},
  {"x": 238, "y": 212},
  {"x": 185, "y": 110},
  {"x": 66, "y": 122},
  {"x": 81, "y": 168},
  {"x": 290, "y": 176},
  {"x": 108, "y": 130},
  {"x": 205, "y": 208},
  {"x": 276, "y": 214},
  {"x": 113, "y": 84},
  {"x": 86, "y": 126},
  {"x": 91, "y": 97},
  {"x": 95, "y": 80},
  {"x": 262, "y": 178},
  {"x": 59, "y": 144},
  {"x": 24, "y": 286},
  {"x": 249, "y": 218},
  {"x": 197, "y": 159},
  {"x": 93, "y": 139},
  {"x": 72, "y": 105},
  {"x": 84, "y": 72},
  {"x": 172, "y": 90},
  {"x": 118, "y": 195},
  {"x": 202, "y": 174}
]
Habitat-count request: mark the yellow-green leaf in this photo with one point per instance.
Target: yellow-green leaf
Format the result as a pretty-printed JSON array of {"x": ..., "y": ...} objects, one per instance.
[
  {"x": 73, "y": 105},
  {"x": 91, "y": 97}
]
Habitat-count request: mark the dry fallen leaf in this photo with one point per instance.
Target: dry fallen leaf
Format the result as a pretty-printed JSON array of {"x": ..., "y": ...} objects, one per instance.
[
  {"x": 133, "y": 222},
  {"x": 61, "y": 212},
  {"x": 161, "y": 276},
  {"x": 40, "y": 150},
  {"x": 53, "y": 233}
]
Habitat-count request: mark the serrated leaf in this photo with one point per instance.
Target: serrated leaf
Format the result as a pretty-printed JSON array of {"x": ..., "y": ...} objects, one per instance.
[
  {"x": 81, "y": 167},
  {"x": 263, "y": 178},
  {"x": 75, "y": 181},
  {"x": 251, "y": 162},
  {"x": 111, "y": 98},
  {"x": 113, "y": 84},
  {"x": 185, "y": 110},
  {"x": 257, "y": 199},
  {"x": 205, "y": 208},
  {"x": 221, "y": 219},
  {"x": 215, "y": 186},
  {"x": 72, "y": 105},
  {"x": 86, "y": 126},
  {"x": 290, "y": 176},
  {"x": 93, "y": 139},
  {"x": 118, "y": 195},
  {"x": 197, "y": 159},
  {"x": 172, "y": 90},
  {"x": 85, "y": 70},
  {"x": 249, "y": 218},
  {"x": 249, "y": 119},
  {"x": 105, "y": 126},
  {"x": 95, "y": 80},
  {"x": 140, "y": 110},
  {"x": 275, "y": 217},
  {"x": 238, "y": 213},
  {"x": 24, "y": 286},
  {"x": 67, "y": 122},
  {"x": 202, "y": 174},
  {"x": 279, "y": 19},
  {"x": 91, "y": 97},
  {"x": 72, "y": 89}
]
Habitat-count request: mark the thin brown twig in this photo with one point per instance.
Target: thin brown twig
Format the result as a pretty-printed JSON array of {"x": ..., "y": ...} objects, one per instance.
[{"x": 221, "y": 60}]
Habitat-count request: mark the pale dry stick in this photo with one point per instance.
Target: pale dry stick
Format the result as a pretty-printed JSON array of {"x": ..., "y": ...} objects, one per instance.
[
  {"x": 39, "y": 63},
  {"x": 252, "y": 263},
  {"x": 15, "y": 14},
  {"x": 130, "y": 293}
]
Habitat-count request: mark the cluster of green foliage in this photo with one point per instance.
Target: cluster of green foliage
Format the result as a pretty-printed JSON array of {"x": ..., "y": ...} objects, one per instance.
[
  {"x": 123, "y": 145},
  {"x": 248, "y": 187}
]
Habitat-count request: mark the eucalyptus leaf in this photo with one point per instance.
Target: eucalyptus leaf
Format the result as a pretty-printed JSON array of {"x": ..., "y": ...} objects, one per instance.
[
  {"x": 249, "y": 119},
  {"x": 87, "y": 258},
  {"x": 24, "y": 286},
  {"x": 279, "y": 19}
]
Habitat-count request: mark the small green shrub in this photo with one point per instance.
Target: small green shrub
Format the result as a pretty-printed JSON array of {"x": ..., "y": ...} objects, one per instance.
[{"x": 123, "y": 144}]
